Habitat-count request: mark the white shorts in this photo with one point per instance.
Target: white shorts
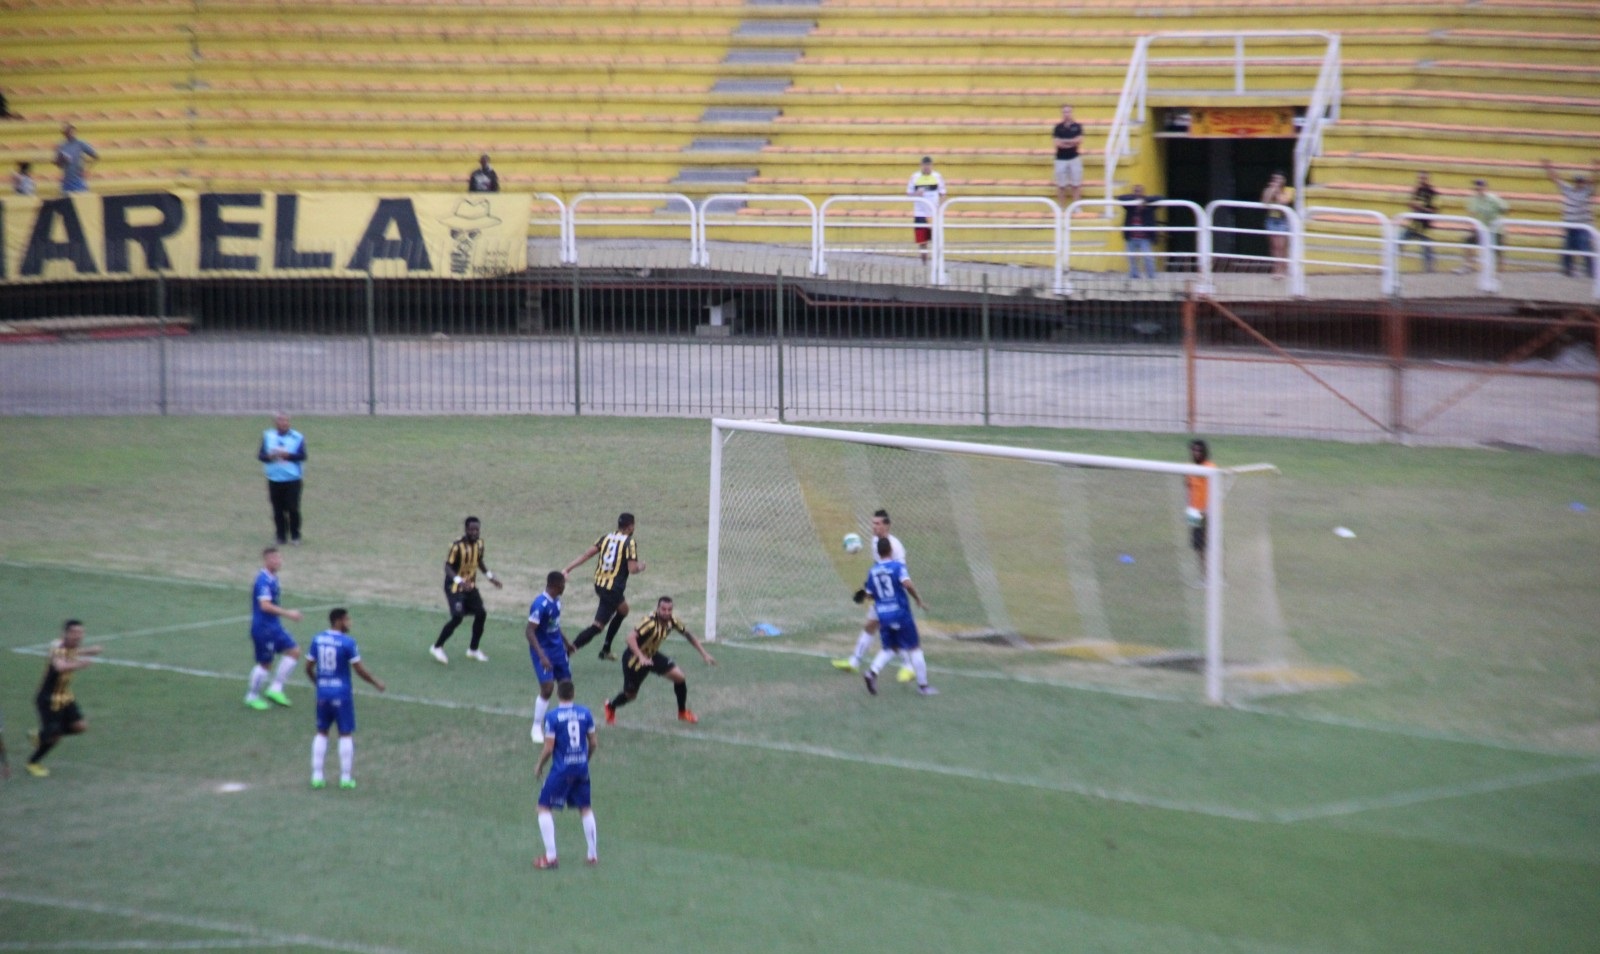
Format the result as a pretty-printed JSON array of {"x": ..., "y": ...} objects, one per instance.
[
  {"x": 872, "y": 611},
  {"x": 1069, "y": 172}
]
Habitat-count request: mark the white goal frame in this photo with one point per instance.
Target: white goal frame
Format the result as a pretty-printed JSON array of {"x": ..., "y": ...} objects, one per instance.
[{"x": 722, "y": 428}]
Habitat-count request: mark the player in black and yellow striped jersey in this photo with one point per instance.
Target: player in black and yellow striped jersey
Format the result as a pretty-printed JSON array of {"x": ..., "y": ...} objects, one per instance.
[
  {"x": 58, "y": 708},
  {"x": 619, "y": 559},
  {"x": 644, "y": 656},
  {"x": 461, "y": 567}
]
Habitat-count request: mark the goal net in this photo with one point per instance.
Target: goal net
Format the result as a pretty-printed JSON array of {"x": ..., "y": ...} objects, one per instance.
[{"x": 1059, "y": 565}]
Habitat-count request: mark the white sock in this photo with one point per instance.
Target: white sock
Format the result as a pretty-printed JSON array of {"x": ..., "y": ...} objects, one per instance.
[
  {"x": 285, "y": 668},
  {"x": 347, "y": 758},
  {"x": 919, "y": 665},
  {"x": 863, "y": 643},
  {"x": 547, "y": 831},
  {"x": 319, "y": 755},
  {"x": 879, "y": 660},
  {"x": 541, "y": 705},
  {"x": 589, "y": 835},
  {"x": 258, "y": 678}
]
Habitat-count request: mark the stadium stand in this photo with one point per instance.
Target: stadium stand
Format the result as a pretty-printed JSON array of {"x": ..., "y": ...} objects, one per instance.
[{"x": 703, "y": 96}]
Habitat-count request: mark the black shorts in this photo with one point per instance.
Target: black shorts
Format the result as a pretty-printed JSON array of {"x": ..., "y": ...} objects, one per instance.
[
  {"x": 633, "y": 678},
  {"x": 54, "y": 722},
  {"x": 464, "y": 603},
  {"x": 1197, "y": 535},
  {"x": 609, "y": 601}
]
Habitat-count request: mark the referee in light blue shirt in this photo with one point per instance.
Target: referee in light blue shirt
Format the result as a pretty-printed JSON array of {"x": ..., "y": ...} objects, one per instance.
[{"x": 283, "y": 457}]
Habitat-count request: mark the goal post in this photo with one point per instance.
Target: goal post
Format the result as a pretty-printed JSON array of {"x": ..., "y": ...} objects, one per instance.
[{"x": 1011, "y": 545}]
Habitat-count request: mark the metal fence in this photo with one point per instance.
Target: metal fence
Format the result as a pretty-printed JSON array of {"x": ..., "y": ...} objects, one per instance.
[{"x": 697, "y": 343}]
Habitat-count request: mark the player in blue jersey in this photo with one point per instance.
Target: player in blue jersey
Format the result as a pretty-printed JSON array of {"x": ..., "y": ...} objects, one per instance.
[
  {"x": 569, "y": 743},
  {"x": 333, "y": 656},
  {"x": 269, "y": 636},
  {"x": 548, "y": 648},
  {"x": 888, "y": 585}
]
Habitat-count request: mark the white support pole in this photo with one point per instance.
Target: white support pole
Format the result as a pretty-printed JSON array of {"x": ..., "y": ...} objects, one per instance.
[
  {"x": 1214, "y": 584},
  {"x": 714, "y": 533}
]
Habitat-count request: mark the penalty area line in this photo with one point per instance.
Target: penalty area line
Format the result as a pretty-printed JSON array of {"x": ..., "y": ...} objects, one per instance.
[
  {"x": 161, "y": 630},
  {"x": 1065, "y": 786},
  {"x": 220, "y": 944},
  {"x": 240, "y": 931},
  {"x": 1440, "y": 793}
]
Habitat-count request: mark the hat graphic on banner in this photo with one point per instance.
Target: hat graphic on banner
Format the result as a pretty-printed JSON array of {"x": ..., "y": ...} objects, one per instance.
[{"x": 470, "y": 220}]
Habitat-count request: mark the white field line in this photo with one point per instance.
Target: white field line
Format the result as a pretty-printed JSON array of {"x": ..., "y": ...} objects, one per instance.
[
  {"x": 217, "y": 945},
  {"x": 241, "y": 932},
  {"x": 161, "y": 630},
  {"x": 1355, "y": 806},
  {"x": 1070, "y": 787},
  {"x": 1065, "y": 787},
  {"x": 1190, "y": 700}
]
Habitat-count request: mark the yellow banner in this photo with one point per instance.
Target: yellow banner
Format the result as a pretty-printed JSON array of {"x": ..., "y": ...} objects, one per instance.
[
  {"x": 1241, "y": 122},
  {"x": 262, "y": 234}
]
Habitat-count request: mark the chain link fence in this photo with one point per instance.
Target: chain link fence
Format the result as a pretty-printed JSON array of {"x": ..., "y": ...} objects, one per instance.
[{"x": 698, "y": 343}]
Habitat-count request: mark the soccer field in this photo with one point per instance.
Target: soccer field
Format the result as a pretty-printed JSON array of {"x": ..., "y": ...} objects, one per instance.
[{"x": 1448, "y": 800}]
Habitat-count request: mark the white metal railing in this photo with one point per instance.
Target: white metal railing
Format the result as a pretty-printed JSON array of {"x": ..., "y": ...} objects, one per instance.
[
  {"x": 1577, "y": 261},
  {"x": 1381, "y": 248},
  {"x": 1201, "y": 230},
  {"x": 1488, "y": 279},
  {"x": 1323, "y": 111},
  {"x": 1061, "y": 236},
  {"x": 1130, "y": 109},
  {"x": 1132, "y": 105},
  {"x": 563, "y": 225},
  {"x": 707, "y": 220},
  {"x": 920, "y": 207},
  {"x": 1054, "y": 251},
  {"x": 670, "y": 198},
  {"x": 1294, "y": 258}
]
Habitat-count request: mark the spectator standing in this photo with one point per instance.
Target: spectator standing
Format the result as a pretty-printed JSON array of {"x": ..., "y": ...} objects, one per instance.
[
  {"x": 22, "y": 180},
  {"x": 1488, "y": 209},
  {"x": 923, "y": 184},
  {"x": 283, "y": 457},
  {"x": 71, "y": 158},
  {"x": 1068, "y": 138},
  {"x": 1577, "y": 209},
  {"x": 483, "y": 178},
  {"x": 1424, "y": 201},
  {"x": 1278, "y": 192},
  {"x": 1139, "y": 230}
]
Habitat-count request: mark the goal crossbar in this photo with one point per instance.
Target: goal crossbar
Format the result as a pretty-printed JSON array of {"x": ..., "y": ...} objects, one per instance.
[{"x": 1216, "y": 478}]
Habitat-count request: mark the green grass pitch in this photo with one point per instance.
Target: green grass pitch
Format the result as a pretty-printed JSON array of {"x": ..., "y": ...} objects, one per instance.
[{"x": 1448, "y": 801}]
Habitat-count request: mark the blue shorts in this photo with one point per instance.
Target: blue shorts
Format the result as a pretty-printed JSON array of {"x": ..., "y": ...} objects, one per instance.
[
  {"x": 1277, "y": 225},
  {"x": 898, "y": 634},
  {"x": 566, "y": 788},
  {"x": 561, "y": 667},
  {"x": 340, "y": 709},
  {"x": 271, "y": 642}
]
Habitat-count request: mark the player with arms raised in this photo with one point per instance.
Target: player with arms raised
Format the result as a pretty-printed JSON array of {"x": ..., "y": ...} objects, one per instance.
[
  {"x": 547, "y": 646},
  {"x": 333, "y": 656},
  {"x": 269, "y": 636},
  {"x": 569, "y": 743},
  {"x": 619, "y": 559},
  {"x": 888, "y": 585},
  {"x": 869, "y": 629}
]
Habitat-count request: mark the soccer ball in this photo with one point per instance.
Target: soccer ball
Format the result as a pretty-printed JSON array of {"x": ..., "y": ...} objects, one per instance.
[{"x": 852, "y": 543}]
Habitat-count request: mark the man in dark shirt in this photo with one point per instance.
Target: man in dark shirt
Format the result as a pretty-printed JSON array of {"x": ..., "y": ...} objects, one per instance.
[
  {"x": 1139, "y": 230},
  {"x": 1423, "y": 199},
  {"x": 461, "y": 566},
  {"x": 483, "y": 178},
  {"x": 1068, "y": 136}
]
